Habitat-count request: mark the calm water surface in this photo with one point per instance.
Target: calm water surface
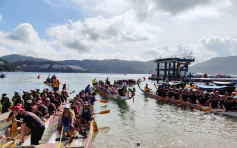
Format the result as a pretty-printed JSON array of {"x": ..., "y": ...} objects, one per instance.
[{"x": 146, "y": 121}]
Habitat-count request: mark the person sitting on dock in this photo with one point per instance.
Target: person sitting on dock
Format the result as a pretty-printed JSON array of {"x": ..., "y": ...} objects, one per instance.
[{"x": 66, "y": 120}]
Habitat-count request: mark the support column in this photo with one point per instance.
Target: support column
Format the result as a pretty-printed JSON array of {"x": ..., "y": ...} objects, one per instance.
[
  {"x": 165, "y": 72},
  {"x": 158, "y": 72},
  {"x": 173, "y": 75}
]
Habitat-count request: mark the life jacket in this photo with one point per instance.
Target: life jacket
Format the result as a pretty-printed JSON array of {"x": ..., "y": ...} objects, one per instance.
[
  {"x": 6, "y": 105},
  {"x": 86, "y": 115},
  {"x": 145, "y": 88},
  {"x": 66, "y": 120},
  {"x": 55, "y": 83}
]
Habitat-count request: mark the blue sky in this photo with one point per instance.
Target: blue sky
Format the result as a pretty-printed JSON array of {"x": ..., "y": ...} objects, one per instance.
[{"x": 111, "y": 29}]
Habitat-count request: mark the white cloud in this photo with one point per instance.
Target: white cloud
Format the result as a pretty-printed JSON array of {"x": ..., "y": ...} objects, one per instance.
[
  {"x": 132, "y": 30},
  {"x": 0, "y": 17}
]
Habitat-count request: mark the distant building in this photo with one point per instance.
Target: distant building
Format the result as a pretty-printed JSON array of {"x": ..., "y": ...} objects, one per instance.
[
  {"x": 46, "y": 66},
  {"x": 57, "y": 66},
  {"x": 2, "y": 63}
]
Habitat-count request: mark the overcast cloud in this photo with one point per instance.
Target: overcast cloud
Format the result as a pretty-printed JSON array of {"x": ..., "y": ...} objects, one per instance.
[{"x": 131, "y": 30}]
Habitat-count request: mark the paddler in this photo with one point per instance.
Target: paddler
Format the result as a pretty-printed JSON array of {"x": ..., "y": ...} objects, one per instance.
[
  {"x": 7, "y": 104},
  {"x": 66, "y": 119},
  {"x": 33, "y": 122},
  {"x": 146, "y": 88},
  {"x": 85, "y": 116}
]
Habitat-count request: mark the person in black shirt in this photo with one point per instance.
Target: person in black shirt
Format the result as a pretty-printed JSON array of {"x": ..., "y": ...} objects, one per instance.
[
  {"x": 54, "y": 101},
  {"x": 43, "y": 109},
  {"x": 228, "y": 105},
  {"x": 33, "y": 122}
]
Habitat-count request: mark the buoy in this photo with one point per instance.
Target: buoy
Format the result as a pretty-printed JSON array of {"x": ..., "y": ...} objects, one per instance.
[{"x": 38, "y": 76}]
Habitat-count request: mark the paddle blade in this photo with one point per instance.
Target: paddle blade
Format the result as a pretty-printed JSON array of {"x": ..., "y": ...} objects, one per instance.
[
  {"x": 95, "y": 127},
  {"x": 103, "y": 101},
  {"x": 104, "y": 112},
  {"x": 60, "y": 144},
  {"x": 207, "y": 109},
  {"x": 14, "y": 128}
]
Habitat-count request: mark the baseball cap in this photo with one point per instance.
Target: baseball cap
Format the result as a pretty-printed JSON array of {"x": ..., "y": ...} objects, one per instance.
[
  {"x": 28, "y": 101},
  {"x": 85, "y": 103},
  {"x": 17, "y": 108},
  {"x": 67, "y": 106},
  {"x": 47, "y": 99}
]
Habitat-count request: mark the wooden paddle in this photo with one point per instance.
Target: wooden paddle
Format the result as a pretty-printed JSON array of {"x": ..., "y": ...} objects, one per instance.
[
  {"x": 8, "y": 143},
  {"x": 103, "y": 101},
  {"x": 95, "y": 127},
  {"x": 103, "y": 112},
  {"x": 207, "y": 109},
  {"x": 60, "y": 143}
]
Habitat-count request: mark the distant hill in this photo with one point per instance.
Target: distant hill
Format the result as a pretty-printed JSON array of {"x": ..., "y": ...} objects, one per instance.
[
  {"x": 95, "y": 66},
  {"x": 5, "y": 66},
  {"x": 113, "y": 66},
  {"x": 16, "y": 57},
  {"x": 222, "y": 65}
]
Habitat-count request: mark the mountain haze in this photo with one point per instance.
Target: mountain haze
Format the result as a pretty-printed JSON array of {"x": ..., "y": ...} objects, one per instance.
[
  {"x": 16, "y": 57},
  {"x": 222, "y": 65}
]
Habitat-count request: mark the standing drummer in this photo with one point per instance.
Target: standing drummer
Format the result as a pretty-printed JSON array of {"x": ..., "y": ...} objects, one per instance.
[{"x": 33, "y": 122}]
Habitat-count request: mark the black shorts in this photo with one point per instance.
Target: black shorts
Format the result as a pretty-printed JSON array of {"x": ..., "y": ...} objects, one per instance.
[{"x": 36, "y": 135}]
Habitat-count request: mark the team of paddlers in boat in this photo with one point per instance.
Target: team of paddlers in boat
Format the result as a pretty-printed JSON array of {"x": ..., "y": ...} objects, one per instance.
[
  {"x": 112, "y": 91},
  {"x": 32, "y": 110},
  {"x": 190, "y": 96}
]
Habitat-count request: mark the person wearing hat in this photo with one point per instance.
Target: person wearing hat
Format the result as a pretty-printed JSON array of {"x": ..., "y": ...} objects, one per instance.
[
  {"x": 16, "y": 96},
  {"x": 66, "y": 120},
  {"x": 55, "y": 84},
  {"x": 85, "y": 116},
  {"x": 54, "y": 101},
  {"x": 12, "y": 117},
  {"x": 28, "y": 105},
  {"x": 32, "y": 121},
  {"x": 17, "y": 100},
  {"x": 51, "y": 107},
  {"x": 64, "y": 87},
  {"x": 2, "y": 99}
]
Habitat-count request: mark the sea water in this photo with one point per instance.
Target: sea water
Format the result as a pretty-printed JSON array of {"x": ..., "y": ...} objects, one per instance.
[{"x": 146, "y": 123}]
